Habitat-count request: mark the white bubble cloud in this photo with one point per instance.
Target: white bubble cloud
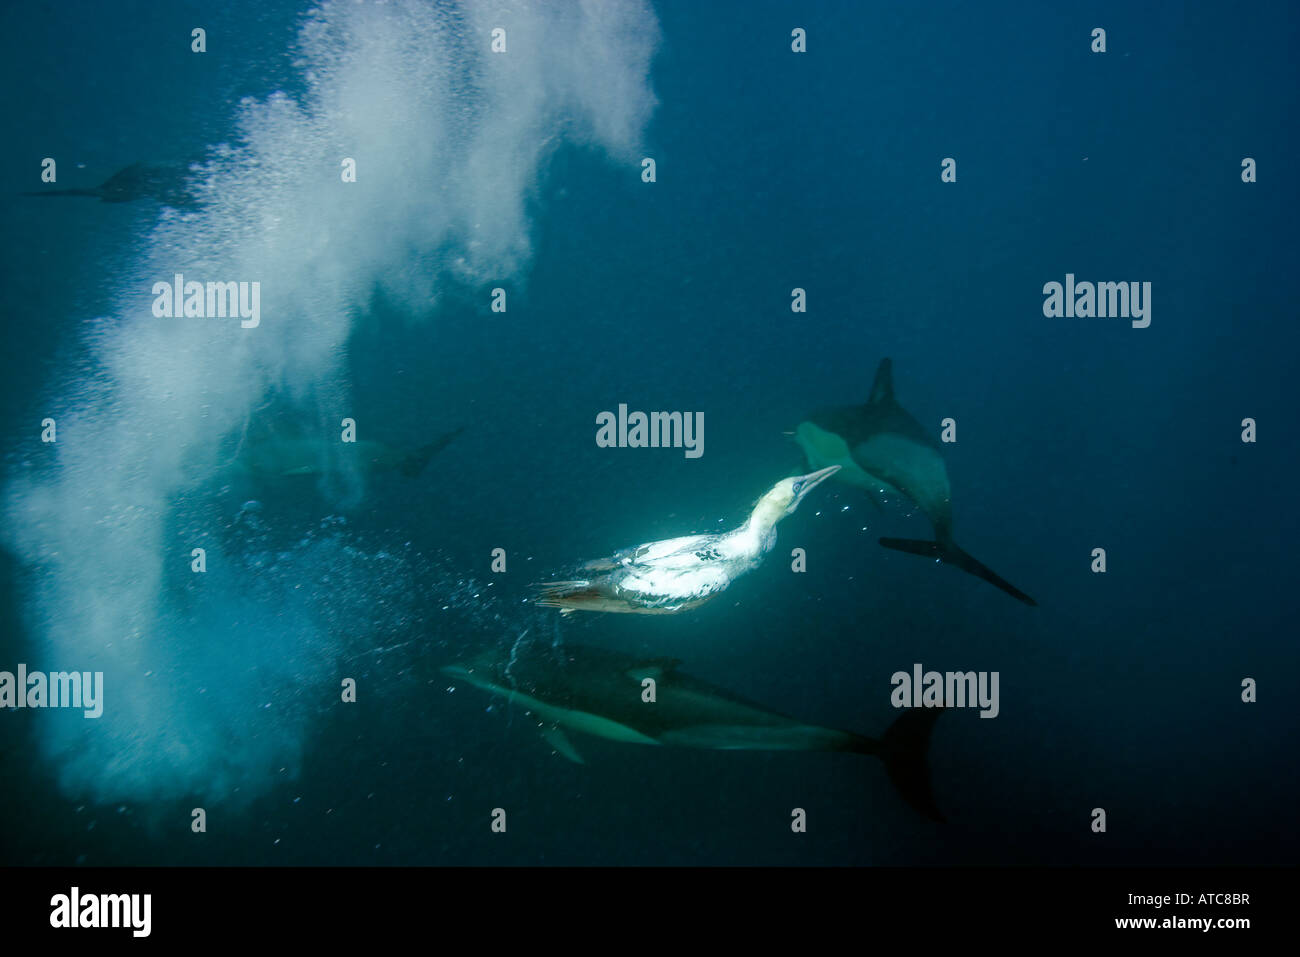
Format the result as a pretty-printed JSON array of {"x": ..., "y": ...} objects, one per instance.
[{"x": 449, "y": 141}]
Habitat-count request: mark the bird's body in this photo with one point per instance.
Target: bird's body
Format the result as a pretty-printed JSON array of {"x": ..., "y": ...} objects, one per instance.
[{"x": 678, "y": 574}]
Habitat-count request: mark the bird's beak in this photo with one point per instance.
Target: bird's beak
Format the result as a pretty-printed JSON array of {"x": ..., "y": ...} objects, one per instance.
[{"x": 813, "y": 479}]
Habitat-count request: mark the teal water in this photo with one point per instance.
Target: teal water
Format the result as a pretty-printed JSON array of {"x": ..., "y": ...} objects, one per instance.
[{"x": 522, "y": 171}]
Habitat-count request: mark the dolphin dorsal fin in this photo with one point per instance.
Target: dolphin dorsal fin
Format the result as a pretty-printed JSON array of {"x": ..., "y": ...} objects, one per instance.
[{"x": 883, "y": 388}]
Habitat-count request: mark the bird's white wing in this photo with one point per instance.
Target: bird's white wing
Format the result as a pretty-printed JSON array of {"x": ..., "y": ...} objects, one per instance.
[{"x": 673, "y": 552}]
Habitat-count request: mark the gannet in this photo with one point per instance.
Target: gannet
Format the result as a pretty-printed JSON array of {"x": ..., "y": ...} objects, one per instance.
[{"x": 660, "y": 578}]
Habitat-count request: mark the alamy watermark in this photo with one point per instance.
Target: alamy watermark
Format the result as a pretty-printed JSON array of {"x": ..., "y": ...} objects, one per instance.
[
  {"x": 654, "y": 430},
  {"x": 950, "y": 689},
  {"x": 213, "y": 300},
  {"x": 75, "y": 909},
  {"x": 58, "y": 689},
  {"x": 1101, "y": 300}
]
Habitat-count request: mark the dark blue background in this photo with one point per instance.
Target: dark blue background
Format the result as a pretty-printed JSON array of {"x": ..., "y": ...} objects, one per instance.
[{"x": 774, "y": 171}]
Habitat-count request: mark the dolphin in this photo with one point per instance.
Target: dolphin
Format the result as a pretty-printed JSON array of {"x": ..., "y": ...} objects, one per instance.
[
  {"x": 165, "y": 184},
  {"x": 273, "y": 456},
  {"x": 882, "y": 449},
  {"x": 601, "y": 693}
]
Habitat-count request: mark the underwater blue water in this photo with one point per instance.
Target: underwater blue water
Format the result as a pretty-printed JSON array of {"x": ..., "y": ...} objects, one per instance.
[{"x": 775, "y": 170}]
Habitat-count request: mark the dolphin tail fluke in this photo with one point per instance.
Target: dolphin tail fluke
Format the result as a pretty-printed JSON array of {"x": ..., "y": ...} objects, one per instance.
[
  {"x": 905, "y": 750},
  {"x": 414, "y": 463},
  {"x": 951, "y": 554}
]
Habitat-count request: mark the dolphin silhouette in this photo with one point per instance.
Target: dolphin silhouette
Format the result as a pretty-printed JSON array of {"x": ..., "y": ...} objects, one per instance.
[
  {"x": 601, "y": 693},
  {"x": 270, "y": 455},
  {"x": 165, "y": 184},
  {"x": 881, "y": 448}
]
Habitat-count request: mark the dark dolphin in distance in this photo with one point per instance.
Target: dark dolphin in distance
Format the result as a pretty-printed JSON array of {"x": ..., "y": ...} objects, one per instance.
[
  {"x": 270, "y": 455},
  {"x": 599, "y": 692},
  {"x": 162, "y": 183},
  {"x": 882, "y": 449}
]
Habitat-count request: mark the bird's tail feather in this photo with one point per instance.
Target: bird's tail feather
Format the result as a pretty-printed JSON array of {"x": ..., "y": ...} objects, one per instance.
[{"x": 565, "y": 594}]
